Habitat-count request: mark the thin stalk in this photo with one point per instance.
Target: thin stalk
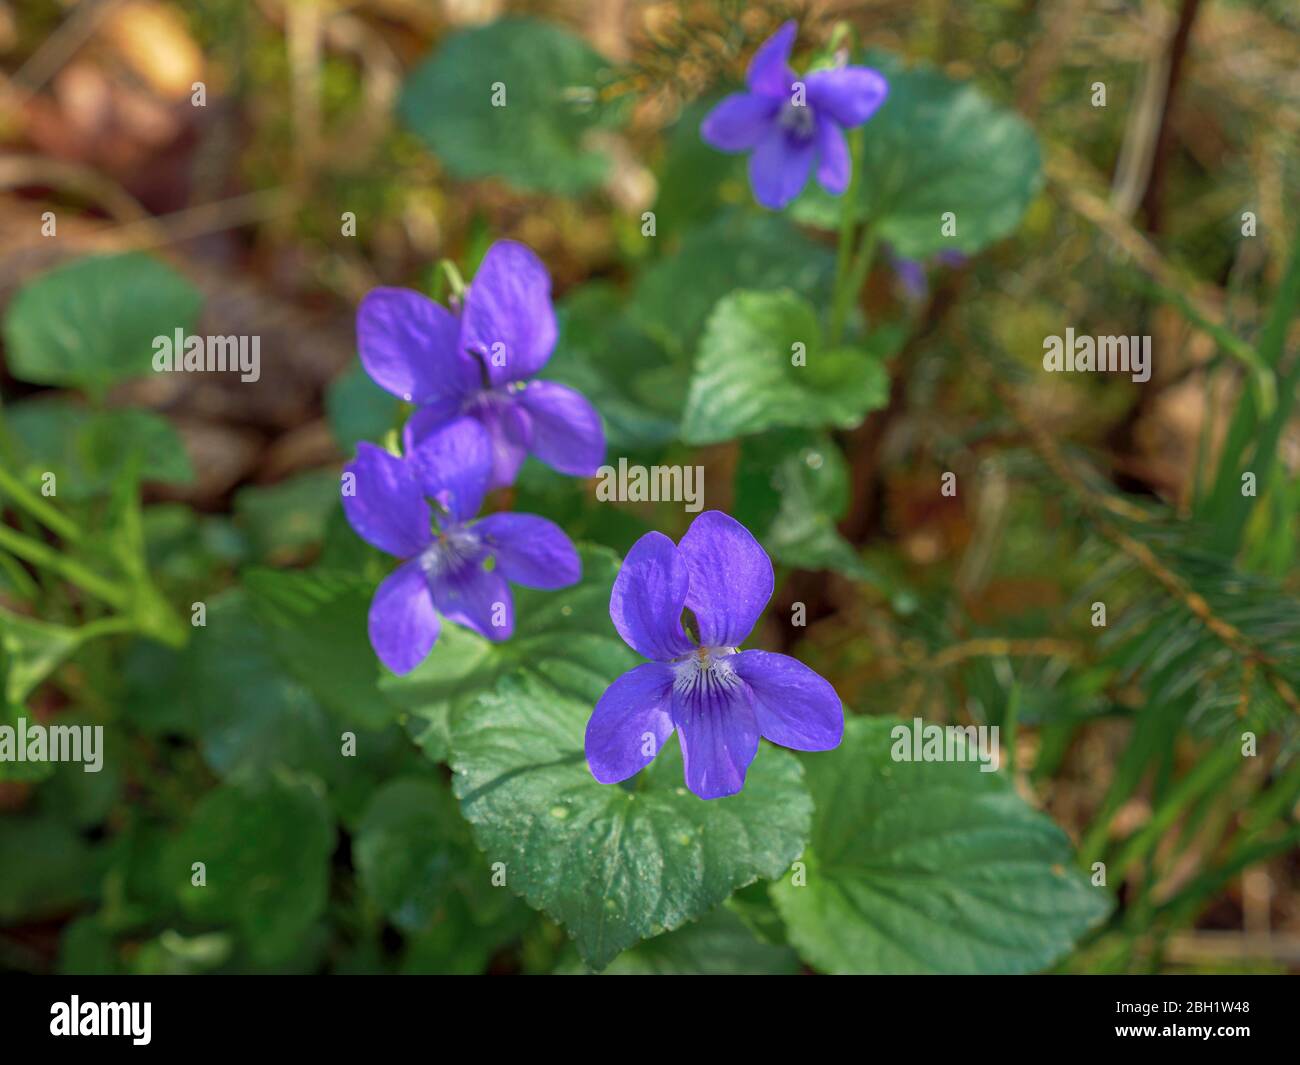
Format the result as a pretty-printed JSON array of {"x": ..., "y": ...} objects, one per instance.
[
  {"x": 857, "y": 275},
  {"x": 52, "y": 518},
  {"x": 39, "y": 554},
  {"x": 454, "y": 279},
  {"x": 20, "y": 578},
  {"x": 848, "y": 227}
]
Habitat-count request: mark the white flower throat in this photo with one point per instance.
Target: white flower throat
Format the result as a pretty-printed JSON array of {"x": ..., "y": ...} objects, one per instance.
[
  {"x": 798, "y": 120},
  {"x": 704, "y": 678},
  {"x": 452, "y": 549}
]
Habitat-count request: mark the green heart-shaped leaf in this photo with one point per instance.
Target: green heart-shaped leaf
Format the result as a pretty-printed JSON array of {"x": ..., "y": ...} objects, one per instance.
[
  {"x": 565, "y": 636},
  {"x": 761, "y": 365},
  {"x": 87, "y": 451},
  {"x": 740, "y": 249},
  {"x": 515, "y": 99},
  {"x": 614, "y": 864},
  {"x": 791, "y": 488},
  {"x": 936, "y": 146},
  {"x": 718, "y": 944},
  {"x": 315, "y": 621},
  {"x": 92, "y": 323},
  {"x": 409, "y": 846},
  {"x": 265, "y": 844},
  {"x": 929, "y": 867}
]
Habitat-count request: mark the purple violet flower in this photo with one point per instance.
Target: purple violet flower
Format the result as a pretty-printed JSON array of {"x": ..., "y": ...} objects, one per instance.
[
  {"x": 478, "y": 363},
  {"x": 718, "y": 698},
  {"x": 911, "y": 274},
  {"x": 790, "y": 124},
  {"x": 446, "y": 556}
]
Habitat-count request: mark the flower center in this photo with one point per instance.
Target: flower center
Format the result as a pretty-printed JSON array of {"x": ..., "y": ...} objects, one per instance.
[
  {"x": 490, "y": 404},
  {"x": 454, "y": 548},
  {"x": 483, "y": 402},
  {"x": 797, "y": 120},
  {"x": 704, "y": 677}
]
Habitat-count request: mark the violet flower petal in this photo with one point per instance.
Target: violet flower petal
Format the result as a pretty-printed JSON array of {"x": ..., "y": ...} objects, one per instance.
[
  {"x": 566, "y": 431},
  {"x": 739, "y": 121},
  {"x": 834, "y": 167},
  {"x": 731, "y": 578},
  {"x": 793, "y": 705},
  {"x": 387, "y": 509},
  {"x": 779, "y": 167},
  {"x": 849, "y": 95},
  {"x": 510, "y": 431},
  {"x": 474, "y": 597},
  {"x": 769, "y": 72},
  {"x": 428, "y": 419},
  {"x": 718, "y": 733},
  {"x": 452, "y": 464},
  {"x": 529, "y": 550},
  {"x": 402, "y": 624},
  {"x": 410, "y": 346},
  {"x": 508, "y": 319},
  {"x": 631, "y": 722},
  {"x": 646, "y": 601}
]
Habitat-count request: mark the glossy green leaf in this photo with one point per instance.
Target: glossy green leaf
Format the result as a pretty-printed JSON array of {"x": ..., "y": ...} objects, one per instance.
[
  {"x": 10, "y": 713},
  {"x": 741, "y": 249},
  {"x": 86, "y": 948},
  {"x": 929, "y": 867},
  {"x": 358, "y": 409},
  {"x": 92, "y": 322},
  {"x": 791, "y": 489},
  {"x": 265, "y": 844},
  {"x": 283, "y": 521},
  {"x": 748, "y": 377},
  {"x": 937, "y": 145},
  {"x": 718, "y": 944},
  {"x": 87, "y": 451},
  {"x": 48, "y": 868},
  {"x": 565, "y": 636},
  {"x": 545, "y": 80},
  {"x": 249, "y": 712},
  {"x": 463, "y": 941},
  {"x": 316, "y": 623},
  {"x": 614, "y": 864},
  {"x": 694, "y": 175},
  {"x": 624, "y": 374},
  {"x": 409, "y": 847}
]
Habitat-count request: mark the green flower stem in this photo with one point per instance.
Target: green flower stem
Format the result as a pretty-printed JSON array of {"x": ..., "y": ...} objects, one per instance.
[
  {"x": 857, "y": 275},
  {"x": 39, "y": 554},
  {"x": 848, "y": 226},
  {"x": 51, "y": 602},
  {"x": 454, "y": 279},
  {"x": 107, "y": 627},
  {"x": 52, "y": 518},
  {"x": 21, "y": 579}
]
